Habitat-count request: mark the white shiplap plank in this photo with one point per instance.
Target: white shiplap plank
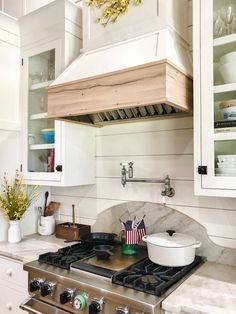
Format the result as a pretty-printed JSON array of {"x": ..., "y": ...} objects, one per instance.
[
  {"x": 84, "y": 207},
  {"x": 81, "y": 220},
  {"x": 176, "y": 166},
  {"x": 150, "y": 143}
]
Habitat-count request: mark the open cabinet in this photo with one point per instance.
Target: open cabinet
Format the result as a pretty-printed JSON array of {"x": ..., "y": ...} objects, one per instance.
[{"x": 214, "y": 40}]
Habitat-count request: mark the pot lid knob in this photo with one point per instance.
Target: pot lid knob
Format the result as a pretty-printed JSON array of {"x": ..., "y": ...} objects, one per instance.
[{"x": 170, "y": 232}]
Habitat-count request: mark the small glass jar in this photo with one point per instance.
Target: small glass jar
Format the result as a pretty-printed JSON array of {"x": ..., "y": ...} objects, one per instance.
[
  {"x": 128, "y": 249},
  {"x": 31, "y": 139}
]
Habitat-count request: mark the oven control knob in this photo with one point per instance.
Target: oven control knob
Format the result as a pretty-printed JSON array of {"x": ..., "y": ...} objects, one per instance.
[
  {"x": 36, "y": 284},
  {"x": 122, "y": 310},
  {"x": 66, "y": 296},
  {"x": 80, "y": 301},
  {"x": 47, "y": 288},
  {"x": 96, "y": 306}
]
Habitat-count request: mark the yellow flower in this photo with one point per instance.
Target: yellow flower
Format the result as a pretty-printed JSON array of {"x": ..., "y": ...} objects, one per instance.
[
  {"x": 15, "y": 200},
  {"x": 112, "y": 9}
]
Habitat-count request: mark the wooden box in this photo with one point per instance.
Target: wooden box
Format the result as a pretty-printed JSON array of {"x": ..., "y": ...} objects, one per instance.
[{"x": 71, "y": 232}]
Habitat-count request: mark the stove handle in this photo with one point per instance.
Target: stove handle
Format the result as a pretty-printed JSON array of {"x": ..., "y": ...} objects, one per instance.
[
  {"x": 28, "y": 308},
  {"x": 30, "y": 305}
]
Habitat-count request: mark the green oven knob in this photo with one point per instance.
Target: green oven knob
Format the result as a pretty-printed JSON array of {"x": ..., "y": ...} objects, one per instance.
[{"x": 80, "y": 301}]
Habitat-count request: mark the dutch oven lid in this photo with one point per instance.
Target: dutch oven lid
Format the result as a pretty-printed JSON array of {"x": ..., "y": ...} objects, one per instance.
[{"x": 171, "y": 239}]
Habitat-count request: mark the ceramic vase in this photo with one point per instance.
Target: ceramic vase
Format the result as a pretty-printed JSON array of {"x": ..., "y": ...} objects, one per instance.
[{"x": 14, "y": 231}]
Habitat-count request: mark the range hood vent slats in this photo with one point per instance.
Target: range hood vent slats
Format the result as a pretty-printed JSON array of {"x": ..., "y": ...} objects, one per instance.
[{"x": 128, "y": 114}]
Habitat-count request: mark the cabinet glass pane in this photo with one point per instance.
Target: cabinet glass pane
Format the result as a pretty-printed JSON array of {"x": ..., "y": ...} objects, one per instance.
[
  {"x": 41, "y": 141},
  {"x": 224, "y": 57}
]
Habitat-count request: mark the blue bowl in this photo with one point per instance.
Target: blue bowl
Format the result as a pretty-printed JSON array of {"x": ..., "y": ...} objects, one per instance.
[{"x": 48, "y": 135}]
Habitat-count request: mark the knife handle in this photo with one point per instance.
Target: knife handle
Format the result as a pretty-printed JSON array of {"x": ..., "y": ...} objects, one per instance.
[{"x": 73, "y": 214}]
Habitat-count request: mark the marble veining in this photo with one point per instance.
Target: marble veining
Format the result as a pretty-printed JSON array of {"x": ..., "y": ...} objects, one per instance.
[
  {"x": 31, "y": 247},
  {"x": 210, "y": 290},
  {"x": 160, "y": 218}
]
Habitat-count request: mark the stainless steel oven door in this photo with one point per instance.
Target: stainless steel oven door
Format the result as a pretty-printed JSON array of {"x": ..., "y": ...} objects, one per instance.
[{"x": 34, "y": 306}]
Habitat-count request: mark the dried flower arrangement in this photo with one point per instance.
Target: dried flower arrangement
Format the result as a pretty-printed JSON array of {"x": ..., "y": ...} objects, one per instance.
[
  {"x": 112, "y": 9},
  {"x": 15, "y": 199}
]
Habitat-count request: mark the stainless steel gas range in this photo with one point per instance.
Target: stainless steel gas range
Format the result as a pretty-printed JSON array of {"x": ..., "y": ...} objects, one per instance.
[{"x": 73, "y": 280}]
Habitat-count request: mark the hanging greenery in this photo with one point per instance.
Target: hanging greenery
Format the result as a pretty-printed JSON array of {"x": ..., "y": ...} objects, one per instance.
[{"x": 112, "y": 9}]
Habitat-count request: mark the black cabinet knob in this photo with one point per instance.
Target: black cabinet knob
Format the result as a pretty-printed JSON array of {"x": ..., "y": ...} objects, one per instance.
[
  {"x": 59, "y": 168},
  {"x": 65, "y": 297}
]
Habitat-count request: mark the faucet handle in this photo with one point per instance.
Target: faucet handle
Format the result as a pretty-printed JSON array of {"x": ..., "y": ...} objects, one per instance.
[{"x": 131, "y": 170}]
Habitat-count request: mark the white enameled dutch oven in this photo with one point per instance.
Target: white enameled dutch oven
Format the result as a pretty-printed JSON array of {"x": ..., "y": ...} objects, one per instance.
[{"x": 171, "y": 248}]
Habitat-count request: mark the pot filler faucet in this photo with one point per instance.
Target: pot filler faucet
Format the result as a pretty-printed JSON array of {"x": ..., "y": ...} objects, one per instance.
[{"x": 168, "y": 190}]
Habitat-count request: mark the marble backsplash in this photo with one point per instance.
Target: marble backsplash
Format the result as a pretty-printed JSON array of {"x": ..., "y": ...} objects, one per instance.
[{"x": 159, "y": 218}]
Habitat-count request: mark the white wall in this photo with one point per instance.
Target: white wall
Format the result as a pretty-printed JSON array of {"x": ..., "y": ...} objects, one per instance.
[{"x": 157, "y": 148}]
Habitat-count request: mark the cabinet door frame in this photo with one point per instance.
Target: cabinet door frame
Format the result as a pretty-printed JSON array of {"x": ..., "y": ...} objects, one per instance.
[
  {"x": 204, "y": 155},
  {"x": 39, "y": 177}
]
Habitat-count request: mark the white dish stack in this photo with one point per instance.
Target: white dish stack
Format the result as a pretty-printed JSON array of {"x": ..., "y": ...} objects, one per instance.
[{"x": 226, "y": 165}]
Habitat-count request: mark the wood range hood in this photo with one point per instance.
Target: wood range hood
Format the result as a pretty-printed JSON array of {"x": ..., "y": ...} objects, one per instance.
[{"x": 132, "y": 80}]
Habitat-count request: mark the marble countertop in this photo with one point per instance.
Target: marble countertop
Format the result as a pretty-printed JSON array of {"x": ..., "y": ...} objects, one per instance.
[
  {"x": 210, "y": 290},
  {"x": 31, "y": 247}
]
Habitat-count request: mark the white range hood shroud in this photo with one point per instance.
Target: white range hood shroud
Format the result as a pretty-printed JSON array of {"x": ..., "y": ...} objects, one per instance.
[{"x": 165, "y": 44}]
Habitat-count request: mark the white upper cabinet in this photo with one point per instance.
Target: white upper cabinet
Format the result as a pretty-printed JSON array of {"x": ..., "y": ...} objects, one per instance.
[
  {"x": 150, "y": 16},
  {"x": 54, "y": 153},
  {"x": 214, "y": 39},
  {"x": 9, "y": 72}
]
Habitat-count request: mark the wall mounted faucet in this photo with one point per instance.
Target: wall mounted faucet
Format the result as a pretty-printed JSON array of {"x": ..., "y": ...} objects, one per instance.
[{"x": 168, "y": 190}]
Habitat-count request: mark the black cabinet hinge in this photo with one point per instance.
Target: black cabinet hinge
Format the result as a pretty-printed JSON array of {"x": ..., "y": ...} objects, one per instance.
[
  {"x": 202, "y": 170},
  {"x": 22, "y": 61},
  {"x": 59, "y": 168}
]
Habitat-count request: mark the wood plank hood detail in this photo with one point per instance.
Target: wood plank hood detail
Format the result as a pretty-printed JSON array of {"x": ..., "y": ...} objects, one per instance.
[{"x": 145, "y": 87}]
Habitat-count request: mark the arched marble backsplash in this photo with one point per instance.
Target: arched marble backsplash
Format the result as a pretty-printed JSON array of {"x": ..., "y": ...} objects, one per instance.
[{"x": 160, "y": 218}]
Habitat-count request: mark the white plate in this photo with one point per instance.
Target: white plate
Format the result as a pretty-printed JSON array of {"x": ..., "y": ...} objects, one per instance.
[
  {"x": 230, "y": 172},
  {"x": 226, "y": 165},
  {"x": 226, "y": 158}
]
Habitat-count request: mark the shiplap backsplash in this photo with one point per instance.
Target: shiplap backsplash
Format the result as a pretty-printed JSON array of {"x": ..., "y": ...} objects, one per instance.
[{"x": 157, "y": 148}]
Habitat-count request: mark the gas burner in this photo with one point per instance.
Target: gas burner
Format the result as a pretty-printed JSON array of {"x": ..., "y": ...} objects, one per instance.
[
  {"x": 152, "y": 278},
  {"x": 65, "y": 256},
  {"x": 148, "y": 282}
]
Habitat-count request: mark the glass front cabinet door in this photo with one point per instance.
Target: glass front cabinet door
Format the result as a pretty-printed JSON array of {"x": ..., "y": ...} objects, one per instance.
[
  {"x": 53, "y": 151},
  {"x": 214, "y": 46}
]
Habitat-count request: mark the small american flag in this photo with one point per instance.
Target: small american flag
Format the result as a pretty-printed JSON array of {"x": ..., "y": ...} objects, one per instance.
[
  {"x": 134, "y": 231},
  {"x": 141, "y": 229}
]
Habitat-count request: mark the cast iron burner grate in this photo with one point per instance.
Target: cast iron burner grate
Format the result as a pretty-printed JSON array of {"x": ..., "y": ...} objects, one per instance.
[
  {"x": 152, "y": 278},
  {"x": 65, "y": 256}
]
